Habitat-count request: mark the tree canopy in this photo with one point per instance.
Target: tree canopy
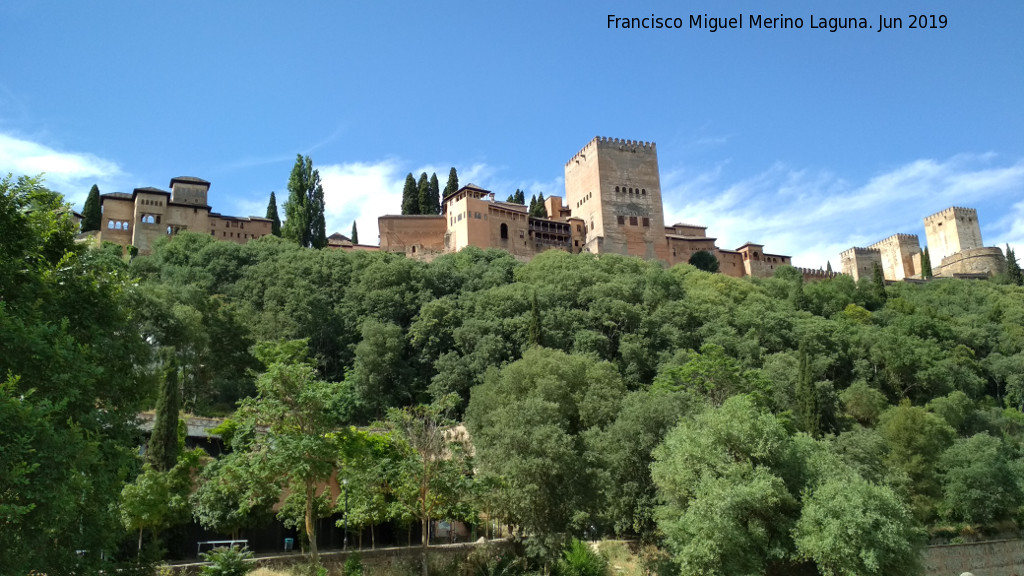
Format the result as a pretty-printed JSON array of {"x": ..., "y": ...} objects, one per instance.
[{"x": 304, "y": 209}]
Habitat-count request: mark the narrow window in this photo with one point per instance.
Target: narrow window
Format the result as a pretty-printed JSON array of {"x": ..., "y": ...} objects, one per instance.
[
  {"x": 622, "y": 220},
  {"x": 647, "y": 222},
  {"x": 504, "y": 231},
  {"x": 632, "y": 220}
]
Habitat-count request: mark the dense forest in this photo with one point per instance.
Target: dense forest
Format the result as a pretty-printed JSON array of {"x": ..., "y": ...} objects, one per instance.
[{"x": 735, "y": 426}]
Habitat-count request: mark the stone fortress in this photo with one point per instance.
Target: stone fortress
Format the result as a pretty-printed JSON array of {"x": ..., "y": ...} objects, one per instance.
[
  {"x": 612, "y": 206},
  {"x": 139, "y": 218},
  {"x": 954, "y": 244}
]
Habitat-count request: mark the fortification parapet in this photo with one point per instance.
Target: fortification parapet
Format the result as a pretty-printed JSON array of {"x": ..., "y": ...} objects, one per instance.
[
  {"x": 639, "y": 145},
  {"x": 958, "y": 210},
  {"x": 817, "y": 273}
]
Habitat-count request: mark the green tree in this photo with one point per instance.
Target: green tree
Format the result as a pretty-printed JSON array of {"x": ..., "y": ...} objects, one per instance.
[
  {"x": 162, "y": 450},
  {"x": 520, "y": 197},
  {"x": 232, "y": 492},
  {"x": 538, "y": 209},
  {"x": 453, "y": 183},
  {"x": 926, "y": 264},
  {"x": 304, "y": 210},
  {"x": 1013, "y": 270},
  {"x": 878, "y": 282},
  {"x": 92, "y": 212},
  {"x": 303, "y": 437},
  {"x": 430, "y": 197},
  {"x": 158, "y": 499},
  {"x": 70, "y": 346},
  {"x": 852, "y": 527},
  {"x": 423, "y": 194},
  {"x": 275, "y": 220},
  {"x": 978, "y": 485},
  {"x": 380, "y": 376},
  {"x": 916, "y": 439},
  {"x": 704, "y": 260},
  {"x": 410, "y": 196},
  {"x": 355, "y": 233},
  {"x": 528, "y": 422},
  {"x": 729, "y": 481}
]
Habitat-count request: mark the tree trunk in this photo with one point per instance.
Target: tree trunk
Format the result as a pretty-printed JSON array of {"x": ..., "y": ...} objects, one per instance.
[
  {"x": 311, "y": 525},
  {"x": 140, "y": 541},
  {"x": 373, "y": 539}
]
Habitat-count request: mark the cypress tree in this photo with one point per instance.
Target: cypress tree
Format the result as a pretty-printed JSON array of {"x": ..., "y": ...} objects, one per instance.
[
  {"x": 542, "y": 210},
  {"x": 520, "y": 197},
  {"x": 926, "y": 264},
  {"x": 355, "y": 233},
  {"x": 423, "y": 194},
  {"x": 807, "y": 397},
  {"x": 92, "y": 215},
  {"x": 430, "y": 203},
  {"x": 162, "y": 450},
  {"x": 828, "y": 267},
  {"x": 511, "y": 199},
  {"x": 1013, "y": 271},
  {"x": 275, "y": 220},
  {"x": 878, "y": 282},
  {"x": 533, "y": 205},
  {"x": 410, "y": 196},
  {"x": 453, "y": 183}
]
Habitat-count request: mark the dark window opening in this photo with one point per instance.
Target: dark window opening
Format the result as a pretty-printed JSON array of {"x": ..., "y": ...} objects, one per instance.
[{"x": 504, "y": 231}]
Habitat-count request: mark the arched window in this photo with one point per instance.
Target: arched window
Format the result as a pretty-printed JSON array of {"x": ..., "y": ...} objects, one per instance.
[
  {"x": 504, "y": 231},
  {"x": 110, "y": 224}
]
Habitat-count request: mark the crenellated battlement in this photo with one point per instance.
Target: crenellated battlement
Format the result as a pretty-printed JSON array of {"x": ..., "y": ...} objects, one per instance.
[
  {"x": 859, "y": 250},
  {"x": 817, "y": 273},
  {"x": 605, "y": 141},
  {"x": 952, "y": 211},
  {"x": 896, "y": 238}
]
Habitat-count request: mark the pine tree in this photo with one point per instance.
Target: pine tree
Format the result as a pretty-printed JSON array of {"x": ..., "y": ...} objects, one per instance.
[
  {"x": 1013, "y": 271},
  {"x": 926, "y": 264},
  {"x": 162, "y": 450},
  {"x": 453, "y": 183},
  {"x": 275, "y": 220},
  {"x": 355, "y": 233},
  {"x": 533, "y": 205},
  {"x": 430, "y": 203},
  {"x": 410, "y": 196},
  {"x": 304, "y": 209},
  {"x": 92, "y": 215},
  {"x": 520, "y": 197}
]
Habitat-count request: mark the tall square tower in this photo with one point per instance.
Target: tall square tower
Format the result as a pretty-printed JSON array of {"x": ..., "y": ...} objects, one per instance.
[
  {"x": 951, "y": 231},
  {"x": 613, "y": 185}
]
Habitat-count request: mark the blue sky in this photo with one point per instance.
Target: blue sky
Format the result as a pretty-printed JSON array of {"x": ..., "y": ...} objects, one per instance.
[{"x": 805, "y": 140}]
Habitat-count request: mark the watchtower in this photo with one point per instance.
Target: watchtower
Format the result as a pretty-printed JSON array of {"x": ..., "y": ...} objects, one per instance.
[
  {"x": 613, "y": 185},
  {"x": 953, "y": 230}
]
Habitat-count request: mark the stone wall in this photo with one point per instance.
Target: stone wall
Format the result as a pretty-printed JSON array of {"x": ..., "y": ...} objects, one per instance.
[
  {"x": 952, "y": 230},
  {"x": 996, "y": 558},
  {"x": 396, "y": 561},
  {"x": 415, "y": 236},
  {"x": 898, "y": 253},
  {"x": 988, "y": 261}
]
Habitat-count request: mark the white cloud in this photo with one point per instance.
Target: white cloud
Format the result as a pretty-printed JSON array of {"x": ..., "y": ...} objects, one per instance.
[
  {"x": 71, "y": 173},
  {"x": 815, "y": 215}
]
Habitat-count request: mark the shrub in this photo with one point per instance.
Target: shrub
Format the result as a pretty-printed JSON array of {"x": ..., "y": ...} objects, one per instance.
[
  {"x": 226, "y": 562},
  {"x": 354, "y": 565},
  {"x": 579, "y": 559}
]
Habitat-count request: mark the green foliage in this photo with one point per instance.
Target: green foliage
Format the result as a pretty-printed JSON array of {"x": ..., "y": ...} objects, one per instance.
[
  {"x": 430, "y": 198},
  {"x": 1013, "y": 270},
  {"x": 92, "y": 212},
  {"x": 70, "y": 345},
  {"x": 453, "y": 183},
  {"x": 226, "y": 562},
  {"x": 355, "y": 233},
  {"x": 852, "y": 527},
  {"x": 272, "y": 215},
  {"x": 162, "y": 452},
  {"x": 916, "y": 440},
  {"x": 410, "y": 196},
  {"x": 926, "y": 264},
  {"x": 863, "y": 403},
  {"x": 978, "y": 484},
  {"x": 579, "y": 559},
  {"x": 353, "y": 565},
  {"x": 704, "y": 260},
  {"x": 423, "y": 195},
  {"x": 304, "y": 209}
]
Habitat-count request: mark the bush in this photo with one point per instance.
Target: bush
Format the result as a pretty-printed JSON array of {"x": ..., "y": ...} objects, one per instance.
[
  {"x": 581, "y": 560},
  {"x": 354, "y": 565},
  {"x": 226, "y": 562}
]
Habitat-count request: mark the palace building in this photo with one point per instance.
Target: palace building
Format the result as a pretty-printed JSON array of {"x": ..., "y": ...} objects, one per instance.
[
  {"x": 612, "y": 205},
  {"x": 139, "y": 218}
]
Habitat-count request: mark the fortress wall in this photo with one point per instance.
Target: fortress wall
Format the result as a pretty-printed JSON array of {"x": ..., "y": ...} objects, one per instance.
[
  {"x": 952, "y": 230},
  {"x": 859, "y": 262},
  {"x": 897, "y": 252},
  {"x": 973, "y": 261},
  {"x": 414, "y": 236}
]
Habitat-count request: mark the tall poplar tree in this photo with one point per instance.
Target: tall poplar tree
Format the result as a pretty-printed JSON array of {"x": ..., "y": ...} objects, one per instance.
[
  {"x": 453, "y": 183},
  {"x": 92, "y": 215},
  {"x": 304, "y": 209},
  {"x": 410, "y": 196},
  {"x": 275, "y": 220},
  {"x": 355, "y": 233}
]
